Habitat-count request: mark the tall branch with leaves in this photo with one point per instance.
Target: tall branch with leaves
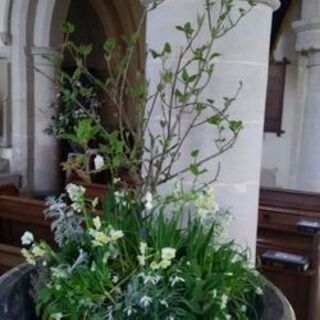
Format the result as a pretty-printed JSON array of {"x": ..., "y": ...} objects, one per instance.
[{"x": 134, "y": 144}]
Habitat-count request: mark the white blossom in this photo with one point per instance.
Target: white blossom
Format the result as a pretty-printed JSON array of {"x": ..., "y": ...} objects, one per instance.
[
  {"x": 57, "y": 316},
  {"x": 164, "y": 264},
  {"x": 149, "y": 201},
  {"x": 174, "y": 280},
  {"x": 75, "y": 192},
  {"x": 259, "y": 291},
  {"x": 164, "y": 303},
  {"x": 224, "y": 301},
  {"x": 168, "y": 253},
  {"x": 116, "y": 234},
  {"x": 98, "y": 162},
  {"x": 145, "y": 301},
  {"x": 97, "y": 223},
  {"x": 27, "y": 238}
]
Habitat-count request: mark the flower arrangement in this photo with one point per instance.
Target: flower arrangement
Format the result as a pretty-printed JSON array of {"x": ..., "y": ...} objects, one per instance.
[
  {"x": 140, "y": 253},
  {"x": 141, "y": 260}
]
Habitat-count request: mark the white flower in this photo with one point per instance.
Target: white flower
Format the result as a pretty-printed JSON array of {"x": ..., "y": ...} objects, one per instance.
[
  {"x": 164, "y": 264},
  {"x": 115, "y": 279},
  {"x": 143, "y": 247},
  {"x": 28, "y": 256},
  {"x": 224, "y": 301},
  {"x": 168, "y": 253},
  {"x": 149, "y": 200},
  {"x": 97, "y": 223},
  {"x": 164, "y": 303},
  {"x": 151, "y": 279},
  {"x": 100, "y": 238},
  {"x": 95, "y": 202},
  {"x": 116, "y": 180},
  {"x": 214, "y": 293},
  {"x": 145, "y": 301},
  {"x": 57, "y": 316},
  {"x": 141, "y": 260},
  {"x": 98, "y": 162},
  {"x": 175, "y": 280},
  {"x": 27, "y": 238},
  {"x": 75, "y": 192},
  {"x": 243, "y": 308},
  {"x": 116, "y": 234},
  {"x": 77, "y": 207},
  {"x": 37, "y": 251},
  {"x": 259, "y": 291}
]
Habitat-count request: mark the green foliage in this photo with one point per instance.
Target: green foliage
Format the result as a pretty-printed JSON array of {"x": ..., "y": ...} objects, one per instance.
[
  {"x": 144, "y": 256},
  {"x": 84, "y": 131},
  {"x": 122, "y": 266}
]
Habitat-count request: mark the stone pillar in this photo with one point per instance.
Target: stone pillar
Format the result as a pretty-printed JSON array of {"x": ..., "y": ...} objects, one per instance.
[
  {"x": 46, "y": 151},
  {"x": 308, "y": 44},
  {"x": 245, "y": 57}
]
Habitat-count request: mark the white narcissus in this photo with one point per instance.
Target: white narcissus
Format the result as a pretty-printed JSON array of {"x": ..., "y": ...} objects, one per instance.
[
  {"x": 98, "y": 162},
  {"x": 168, "y": 253},
  {"x": 27, "y": 238}
]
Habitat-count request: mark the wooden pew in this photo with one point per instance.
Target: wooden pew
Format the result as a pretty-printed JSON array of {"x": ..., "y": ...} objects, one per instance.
[
  {"x": 9, "y": 257},
  {"x": 279, "y": 213},
  {"x": 18, "y": 215}
]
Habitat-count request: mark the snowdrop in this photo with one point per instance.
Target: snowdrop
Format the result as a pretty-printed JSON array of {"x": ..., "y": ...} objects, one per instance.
[
  {"x": 174, "y": 280},
  {"x": 224, "y": 301},
  {"x": 148, "y": 201},
  {"x": 259, "y": 291},
  {"x": 145, "y": 301},
  {"x": 57, "y": 316},
  {"x": 164, "y": 303},
  {"x": 27, "y": 238}
]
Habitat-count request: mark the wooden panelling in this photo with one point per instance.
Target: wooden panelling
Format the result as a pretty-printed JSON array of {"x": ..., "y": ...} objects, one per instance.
[{"x": 279, "y": 213}]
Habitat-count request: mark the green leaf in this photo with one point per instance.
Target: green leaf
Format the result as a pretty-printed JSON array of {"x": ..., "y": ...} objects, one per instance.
[
  {"x": 215, "y": 120},
  {"x": 235, "y": 126},
  {"x": 109, "y": 45},
  {"x": 167, "y": 77},
  {"x": 195, "y": 153},
  {"x": 154, "y": 54},
  {"x": 67, "y": 27},
  {"x": 85, "y": 50},
  {"x": 185, "y": 76},
  {"x": 167, "y": 48},
  {"x": 194, "y": 169}
]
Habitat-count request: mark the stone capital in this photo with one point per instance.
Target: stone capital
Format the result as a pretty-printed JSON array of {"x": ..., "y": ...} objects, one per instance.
[
  {"x": 308, "y": 35},
  {"x": 274, "y": 4},
  {"x": 44, "y": 55}
]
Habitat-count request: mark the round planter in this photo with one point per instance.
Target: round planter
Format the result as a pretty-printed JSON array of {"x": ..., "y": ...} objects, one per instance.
[{"x": 16, "y": 302}]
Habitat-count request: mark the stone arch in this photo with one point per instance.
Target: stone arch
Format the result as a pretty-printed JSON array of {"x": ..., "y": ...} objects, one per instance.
[{"x": 116, "y": 17}]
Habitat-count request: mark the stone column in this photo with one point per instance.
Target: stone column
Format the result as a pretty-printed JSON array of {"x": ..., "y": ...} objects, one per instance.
[
  {"x": 245, "y": 57},
  {"x": 46, "y": 151},
  {"x": 308, "y": 44}
]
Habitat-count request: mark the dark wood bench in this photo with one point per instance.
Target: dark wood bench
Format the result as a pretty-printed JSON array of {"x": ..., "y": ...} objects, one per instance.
[
  {"x": 17, "y": 215},
  {"x": 279, "y": 213},
  {"x": 9, "y": 257}
]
